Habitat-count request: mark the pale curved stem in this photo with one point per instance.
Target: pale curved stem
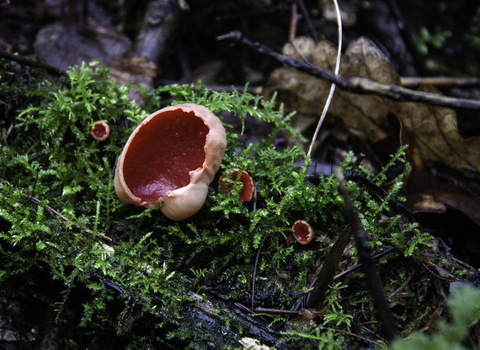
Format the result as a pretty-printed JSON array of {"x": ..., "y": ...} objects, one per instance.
[{"x": 332, "y": 88}]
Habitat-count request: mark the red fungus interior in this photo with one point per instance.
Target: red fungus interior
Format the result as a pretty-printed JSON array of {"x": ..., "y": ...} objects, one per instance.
[
  {"x": 300, "y": 231},
  {"x": 99, "y": 130},
  {"x": 245, "y": 191},
  {"x": 233, "y": 174},
  {"x": 163, "y": 152}
]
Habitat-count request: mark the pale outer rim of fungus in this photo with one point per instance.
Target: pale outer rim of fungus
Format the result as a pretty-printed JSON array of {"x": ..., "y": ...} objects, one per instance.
[
  {"x": 185, "y": 201},
  {"x": 107, "y": 131}
]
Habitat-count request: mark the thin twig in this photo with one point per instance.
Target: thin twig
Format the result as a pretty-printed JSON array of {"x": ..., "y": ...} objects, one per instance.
[
  {"x": 325, "y": 277},
  {"x": 419, "y": 60},
  {"x": 356, "y": 84},
  {"x": 293, "y": 22},
  {"x": 346, "y": 272},
  {"x": 275, "y": 311},
  {"x": 439, "y": 81},
  {"x": 378, "y": 256},
  {"x": 355, "y": 335},
  {"x": 57, "y": 215},
  {"x": 403, "y": 286},
  {"x": 286, "y": 239},
  {"x": 332, "y": 88},
  {"x": 32, "y": 63},
  {"x": 306, "y": 15},
  {"x": 255, "y": 272},
  {"x": 374, "y": 282},
  {"x": 370, "y": 331}
]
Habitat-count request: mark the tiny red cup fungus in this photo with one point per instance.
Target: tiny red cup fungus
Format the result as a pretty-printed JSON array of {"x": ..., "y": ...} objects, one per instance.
[
  {"x": 100, "y": 131},
  {"x": 302, "y": 231},
  {"x": 172, "y": 156},
  {"x": 246, "y": 192}
]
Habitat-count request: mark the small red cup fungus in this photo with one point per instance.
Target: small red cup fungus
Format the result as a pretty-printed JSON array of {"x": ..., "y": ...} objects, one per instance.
[
  {"x": 100, "y": 131},
  {"x": 172, "y": 156},
  {"x": 247, "y": 190},
  {"x": 302, "y": 231}
]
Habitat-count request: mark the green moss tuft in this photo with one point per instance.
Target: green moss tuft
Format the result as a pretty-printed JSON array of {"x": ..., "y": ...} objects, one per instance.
[{"x": 82, "y": 236}]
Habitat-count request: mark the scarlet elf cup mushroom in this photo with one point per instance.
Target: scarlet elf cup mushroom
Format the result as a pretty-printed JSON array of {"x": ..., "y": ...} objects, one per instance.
[
  {"x": 100, "y": 131},
  {"x": 246, "y": 192},
  {"x": 172, "y": 156},
  {"x": 302, "y": 231}
]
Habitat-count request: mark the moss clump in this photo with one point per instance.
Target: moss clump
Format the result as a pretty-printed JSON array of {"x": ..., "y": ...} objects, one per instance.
[{"x": 60, "y": 216}]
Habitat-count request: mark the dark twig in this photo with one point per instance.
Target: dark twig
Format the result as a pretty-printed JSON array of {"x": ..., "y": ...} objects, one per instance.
[
  {"x": 356, "y": 84},
  {"x": 354, "y": 335},
  {"x": 355, "y": 166},
  {"x": 275, "y": 311},
  {"x": 403, "y": 286},
  {"x": 439, "y": 81},
  {"x": 34, "y": 185},
  {"x": 407, "y": 36},
  {"x": 346, "y": 272},
  {"x": 32, "y": 63},
  {"x": 57, "y": 215},
  {"x": 374, "y": 258},
  {"x": 370, "y": 331},
  {"x": 293, "y": 23},
  {"x": 325, "y": 277},
  {"x": 306, "y": 15},
  {"x": 255, "y": 272},
  {"x": 368, "y": 266}
]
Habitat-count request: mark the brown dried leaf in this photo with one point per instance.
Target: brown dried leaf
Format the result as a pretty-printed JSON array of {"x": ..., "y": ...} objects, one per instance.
[
  {"x": 436, "y": 134},
  {"x": 139, "y": 71},
  {"x": 431, "y": 132},
  {"x": 306, "y": 317},
  {"x": 445, "y": 165},
  {"x": 65, "y": 46},
  {"x": 364, "y": 116}
]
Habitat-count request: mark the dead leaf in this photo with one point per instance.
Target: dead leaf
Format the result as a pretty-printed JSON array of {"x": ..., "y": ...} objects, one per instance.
[
  {"x": 64, "y": 46},
  {"x": 348, "y": 11},
  {"x": 431, "y": 132},
  {"x": 139, "y": 71},
  {"x": 432, "y": 322},
  {"x": 364, "y": 116},
  {"x": 436, "y": 134},
  {"x": 445, "y": 167},
  {"x": 305, "y": 317},
  {"x": 207, "y": 72}
]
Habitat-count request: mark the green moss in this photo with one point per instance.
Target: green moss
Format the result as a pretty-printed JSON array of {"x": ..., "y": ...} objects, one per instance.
[{"x": 82, "y": 236}]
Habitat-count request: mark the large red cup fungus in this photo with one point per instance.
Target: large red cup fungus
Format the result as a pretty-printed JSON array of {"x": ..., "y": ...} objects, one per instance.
[
  {"x": 247, "y": 189},
  {"x": 172, "y": 156},
  {"x": 302, "y": 231},
  {"x": 100, "y": 131}
]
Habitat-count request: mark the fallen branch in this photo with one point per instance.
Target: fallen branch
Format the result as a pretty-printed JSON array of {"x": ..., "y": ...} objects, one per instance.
[{"x": 356, "y": 84}]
